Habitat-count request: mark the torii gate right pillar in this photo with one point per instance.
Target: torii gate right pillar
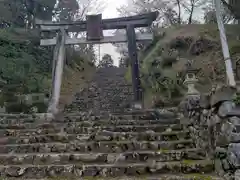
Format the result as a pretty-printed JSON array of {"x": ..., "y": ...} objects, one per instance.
[{"x": 132, "y": 51}]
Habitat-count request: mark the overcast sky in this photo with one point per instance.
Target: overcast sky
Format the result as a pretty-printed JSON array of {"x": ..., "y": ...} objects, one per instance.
[{"x": 110, "y": 12}]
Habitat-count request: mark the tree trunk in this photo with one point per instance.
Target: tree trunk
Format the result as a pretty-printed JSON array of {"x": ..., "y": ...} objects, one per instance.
[
  {"x": 191, "y": 14},
  {"x": 179, "y": 11}
]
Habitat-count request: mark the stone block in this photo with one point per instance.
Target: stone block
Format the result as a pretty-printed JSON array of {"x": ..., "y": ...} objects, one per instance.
[
  {"x": 204, "y": 101},
  {"x": 225, "y": 107},
  {"x": 233, "y": 154},
  {"x": 234, "y": 120},
  {"x": 222, "y": 94}
]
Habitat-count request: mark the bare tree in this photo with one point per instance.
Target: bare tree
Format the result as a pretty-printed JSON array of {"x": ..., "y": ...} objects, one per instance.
[
  {"x": 168, "y": 14},
  {"x": 179, "y": 11},
  {"x": 89, "y": 6},
  {"x": 191, "y": 5},
  {"x": 210, "y": 15},
  {"x": 233, "y": 6}
]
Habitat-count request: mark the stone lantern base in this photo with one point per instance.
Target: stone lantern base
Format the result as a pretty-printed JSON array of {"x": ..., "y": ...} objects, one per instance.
[{"x": 137, "y": 105}]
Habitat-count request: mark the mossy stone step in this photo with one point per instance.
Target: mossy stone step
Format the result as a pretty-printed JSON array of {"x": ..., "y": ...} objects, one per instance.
[
  {"x": 32, "y": 123},
  {"x": 101, "y": 136},
  {"x": 13, "y": 116},
  {"x": 105, "y": 170},
  {"x": 108, "y": 158},
  {"x": 119, "y": 122},
  {"x": 75, "y": 129},
  {"x": 5, "y": 121},
  {"x": 96, "y": 122},
  {"x": 137, "y": 177},
  {"x": 101, "y": 147},
  {"x": 145, "y": 135}
]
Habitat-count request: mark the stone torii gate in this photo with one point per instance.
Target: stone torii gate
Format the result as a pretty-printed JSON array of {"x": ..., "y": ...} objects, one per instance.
[{"x": 94, "y": 26}]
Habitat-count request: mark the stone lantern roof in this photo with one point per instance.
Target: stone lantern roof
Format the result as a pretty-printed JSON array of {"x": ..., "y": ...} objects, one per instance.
[{"x": 190, "y": 69}]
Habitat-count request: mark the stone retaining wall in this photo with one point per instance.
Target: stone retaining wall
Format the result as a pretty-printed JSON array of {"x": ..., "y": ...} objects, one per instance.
[{"x": 214, "y": 123}]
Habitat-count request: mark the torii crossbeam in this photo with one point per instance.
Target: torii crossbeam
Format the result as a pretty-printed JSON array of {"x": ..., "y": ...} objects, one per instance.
[{"x": 94, "y": 26}]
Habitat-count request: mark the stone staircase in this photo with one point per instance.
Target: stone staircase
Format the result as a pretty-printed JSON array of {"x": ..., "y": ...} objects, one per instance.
[
  {"x": 125, "y": 145},
  {"x": 74, "y": 146},
  {"x": 107, "y": 92}
]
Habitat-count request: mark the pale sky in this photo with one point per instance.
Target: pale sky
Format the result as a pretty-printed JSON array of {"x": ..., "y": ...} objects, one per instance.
[{"x": 110, "y": 12}]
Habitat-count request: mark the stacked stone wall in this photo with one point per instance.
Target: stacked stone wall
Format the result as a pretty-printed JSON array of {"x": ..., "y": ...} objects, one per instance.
[{"x": 214, "y": 123}]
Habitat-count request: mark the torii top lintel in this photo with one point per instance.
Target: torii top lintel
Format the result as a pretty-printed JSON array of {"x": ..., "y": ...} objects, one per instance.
[{"x": 136, "y": 21}]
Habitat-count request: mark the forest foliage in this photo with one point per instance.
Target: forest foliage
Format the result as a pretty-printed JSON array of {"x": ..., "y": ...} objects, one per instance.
[{"x": 25, "y": 66}]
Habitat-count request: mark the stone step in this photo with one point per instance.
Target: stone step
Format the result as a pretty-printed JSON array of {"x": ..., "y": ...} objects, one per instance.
[
  {"x": 142, "y": 136},
  {"x": 135, "y": 112},
  {"x": 13, "y": 116},
  {"x": 114, "y": 117},
  {"x": 104, "y": 170},
  {"x": 72, "y": 128},
  {"x": 142, "y": 115},
  {"x": 109, "y": 158},
  {"x": 195, "y": 176},
  {"x": 120, "y": 122},
  {"x": 101, "y": 147},
  {"x": 28, "y": 121},
  {"x": 101, "y": 136},
  {"x": 172, "y": 176}
]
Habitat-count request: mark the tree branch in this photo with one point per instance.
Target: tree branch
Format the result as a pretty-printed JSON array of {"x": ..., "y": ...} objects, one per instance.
[{"x": 231, "y": 9}]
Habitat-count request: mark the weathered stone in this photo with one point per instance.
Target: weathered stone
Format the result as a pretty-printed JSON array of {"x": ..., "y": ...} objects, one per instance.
[
  {"x": 220, "y": 152},
  {"x": 234, "y": 154},
  {"x": 213, "y": 120},
  {"x": 86, "y": 157},
  {"x": 225, "y": 164},
  {"x": 235, "y": 120},
  {"x": 228, "y": 176},
  {"x": 222, "y": 94},
  {"x": 225, "y": 108},
  {"x": 102, "y": 138},
  {"x": 90, "y": 171},
  {"x": 204, "y": 101},
  {"x": 227, "y": 128},
  {"x": 237, "y": 175},
  {"x": 222, "y": 140},
  {"x": 219, "y": 167},
  {"x": 235, "y": 137},
  {"x": 14, "y": 171}
]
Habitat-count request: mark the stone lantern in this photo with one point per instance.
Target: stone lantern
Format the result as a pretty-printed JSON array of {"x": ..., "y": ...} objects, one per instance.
[{"x": 191, "y": 79}]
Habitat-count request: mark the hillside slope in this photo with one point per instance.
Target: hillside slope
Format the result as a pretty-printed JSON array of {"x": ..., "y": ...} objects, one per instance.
[
  {"x": 74, "y": 79},
  {"x": 177, "y": 45}
]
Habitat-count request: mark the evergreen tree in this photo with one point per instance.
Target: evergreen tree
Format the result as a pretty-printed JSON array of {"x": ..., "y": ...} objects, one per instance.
[{"x": 106, "y": 61}]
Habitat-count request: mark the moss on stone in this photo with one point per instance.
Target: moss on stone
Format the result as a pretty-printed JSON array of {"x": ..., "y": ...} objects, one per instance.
[
  {"x": 188, "y": 162},
  {"x": 199, "y": 177}
]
